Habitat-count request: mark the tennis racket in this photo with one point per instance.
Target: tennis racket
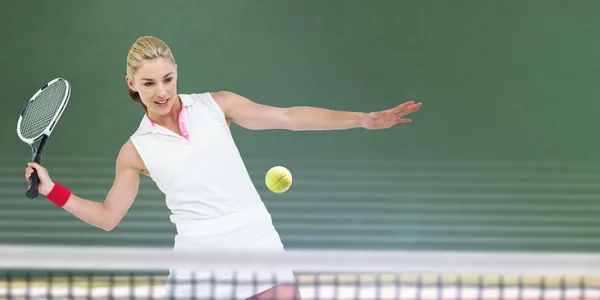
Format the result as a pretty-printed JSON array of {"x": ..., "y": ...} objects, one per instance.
[{"x": 37, "y": 121}]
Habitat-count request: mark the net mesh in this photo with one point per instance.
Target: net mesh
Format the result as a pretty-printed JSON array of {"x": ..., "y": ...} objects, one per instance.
[
  {"x": 40, "y": 111},
  {"x": 96, "y": 273}
]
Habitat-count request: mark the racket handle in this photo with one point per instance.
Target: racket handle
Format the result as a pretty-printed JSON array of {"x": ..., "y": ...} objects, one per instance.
[
  {"x": 34, "y": 180},
  {"x": 32, "y": 187}
]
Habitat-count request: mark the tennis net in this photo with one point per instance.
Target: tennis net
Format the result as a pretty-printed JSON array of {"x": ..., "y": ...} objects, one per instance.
[{"x": 46, "y": 272}]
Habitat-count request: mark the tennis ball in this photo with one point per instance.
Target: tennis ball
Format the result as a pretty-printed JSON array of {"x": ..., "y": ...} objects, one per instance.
[{"x": 278, "y": 179}]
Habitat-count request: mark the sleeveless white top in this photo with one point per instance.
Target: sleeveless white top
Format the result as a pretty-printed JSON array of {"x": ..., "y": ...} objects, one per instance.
[
  {"x": 212, "y": 199},
  {"x": 202, "y": 173}
]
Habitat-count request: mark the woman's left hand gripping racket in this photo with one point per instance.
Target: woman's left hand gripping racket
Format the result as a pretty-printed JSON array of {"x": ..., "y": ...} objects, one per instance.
[{"x": 37, "y": 121}]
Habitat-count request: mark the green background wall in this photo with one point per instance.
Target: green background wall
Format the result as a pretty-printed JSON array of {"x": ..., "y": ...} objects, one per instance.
[{"x": 503, "y": 154}]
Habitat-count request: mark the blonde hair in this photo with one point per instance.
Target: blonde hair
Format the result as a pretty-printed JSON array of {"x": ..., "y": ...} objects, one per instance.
[{"x": 145, "y": 48}]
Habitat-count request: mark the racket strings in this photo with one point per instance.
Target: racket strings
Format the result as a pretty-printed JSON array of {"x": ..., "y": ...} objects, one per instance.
[{"x": 39, "y": 113}]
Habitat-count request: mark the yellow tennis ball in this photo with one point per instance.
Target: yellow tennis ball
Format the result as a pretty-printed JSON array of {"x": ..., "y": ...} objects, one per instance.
[{"x": 278, "y": 179}]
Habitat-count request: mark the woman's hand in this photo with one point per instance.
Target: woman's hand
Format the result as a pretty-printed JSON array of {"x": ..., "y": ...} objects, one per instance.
[
  {"x": 46, "y": 183},
  {"x": 390, "y": 117}
]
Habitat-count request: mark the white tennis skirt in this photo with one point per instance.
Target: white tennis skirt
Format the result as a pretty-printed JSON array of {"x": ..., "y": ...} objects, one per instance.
[{"x": 249, "y": 229}]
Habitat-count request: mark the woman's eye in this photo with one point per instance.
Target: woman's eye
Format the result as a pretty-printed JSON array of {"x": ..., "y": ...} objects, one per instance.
[
  {"x": 169, "y": 79},
  {"x": 148, "y": 83}
]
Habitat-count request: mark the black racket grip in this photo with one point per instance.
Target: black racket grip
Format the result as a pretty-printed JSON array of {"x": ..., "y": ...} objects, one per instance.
[
  {"x": 34, "y": 180},
  {"x": 32, "y": 188}
]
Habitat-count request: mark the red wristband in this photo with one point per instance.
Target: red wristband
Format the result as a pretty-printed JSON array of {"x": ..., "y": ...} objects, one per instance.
[{"x": 59, "y": 195}]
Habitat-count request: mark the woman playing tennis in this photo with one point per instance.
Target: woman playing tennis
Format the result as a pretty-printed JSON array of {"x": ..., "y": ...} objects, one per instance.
[{"x": 185, "y": 145}]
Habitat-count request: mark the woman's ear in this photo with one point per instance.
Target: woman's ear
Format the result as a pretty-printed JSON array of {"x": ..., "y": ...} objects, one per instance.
[{"x": 130, "y": 83}]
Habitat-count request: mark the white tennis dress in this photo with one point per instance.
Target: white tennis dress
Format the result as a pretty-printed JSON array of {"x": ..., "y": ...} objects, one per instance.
[{"x": 213, "y": 202}]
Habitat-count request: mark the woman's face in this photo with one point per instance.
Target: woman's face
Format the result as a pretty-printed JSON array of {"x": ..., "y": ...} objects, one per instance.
[{"x": 156, "y": 83}]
